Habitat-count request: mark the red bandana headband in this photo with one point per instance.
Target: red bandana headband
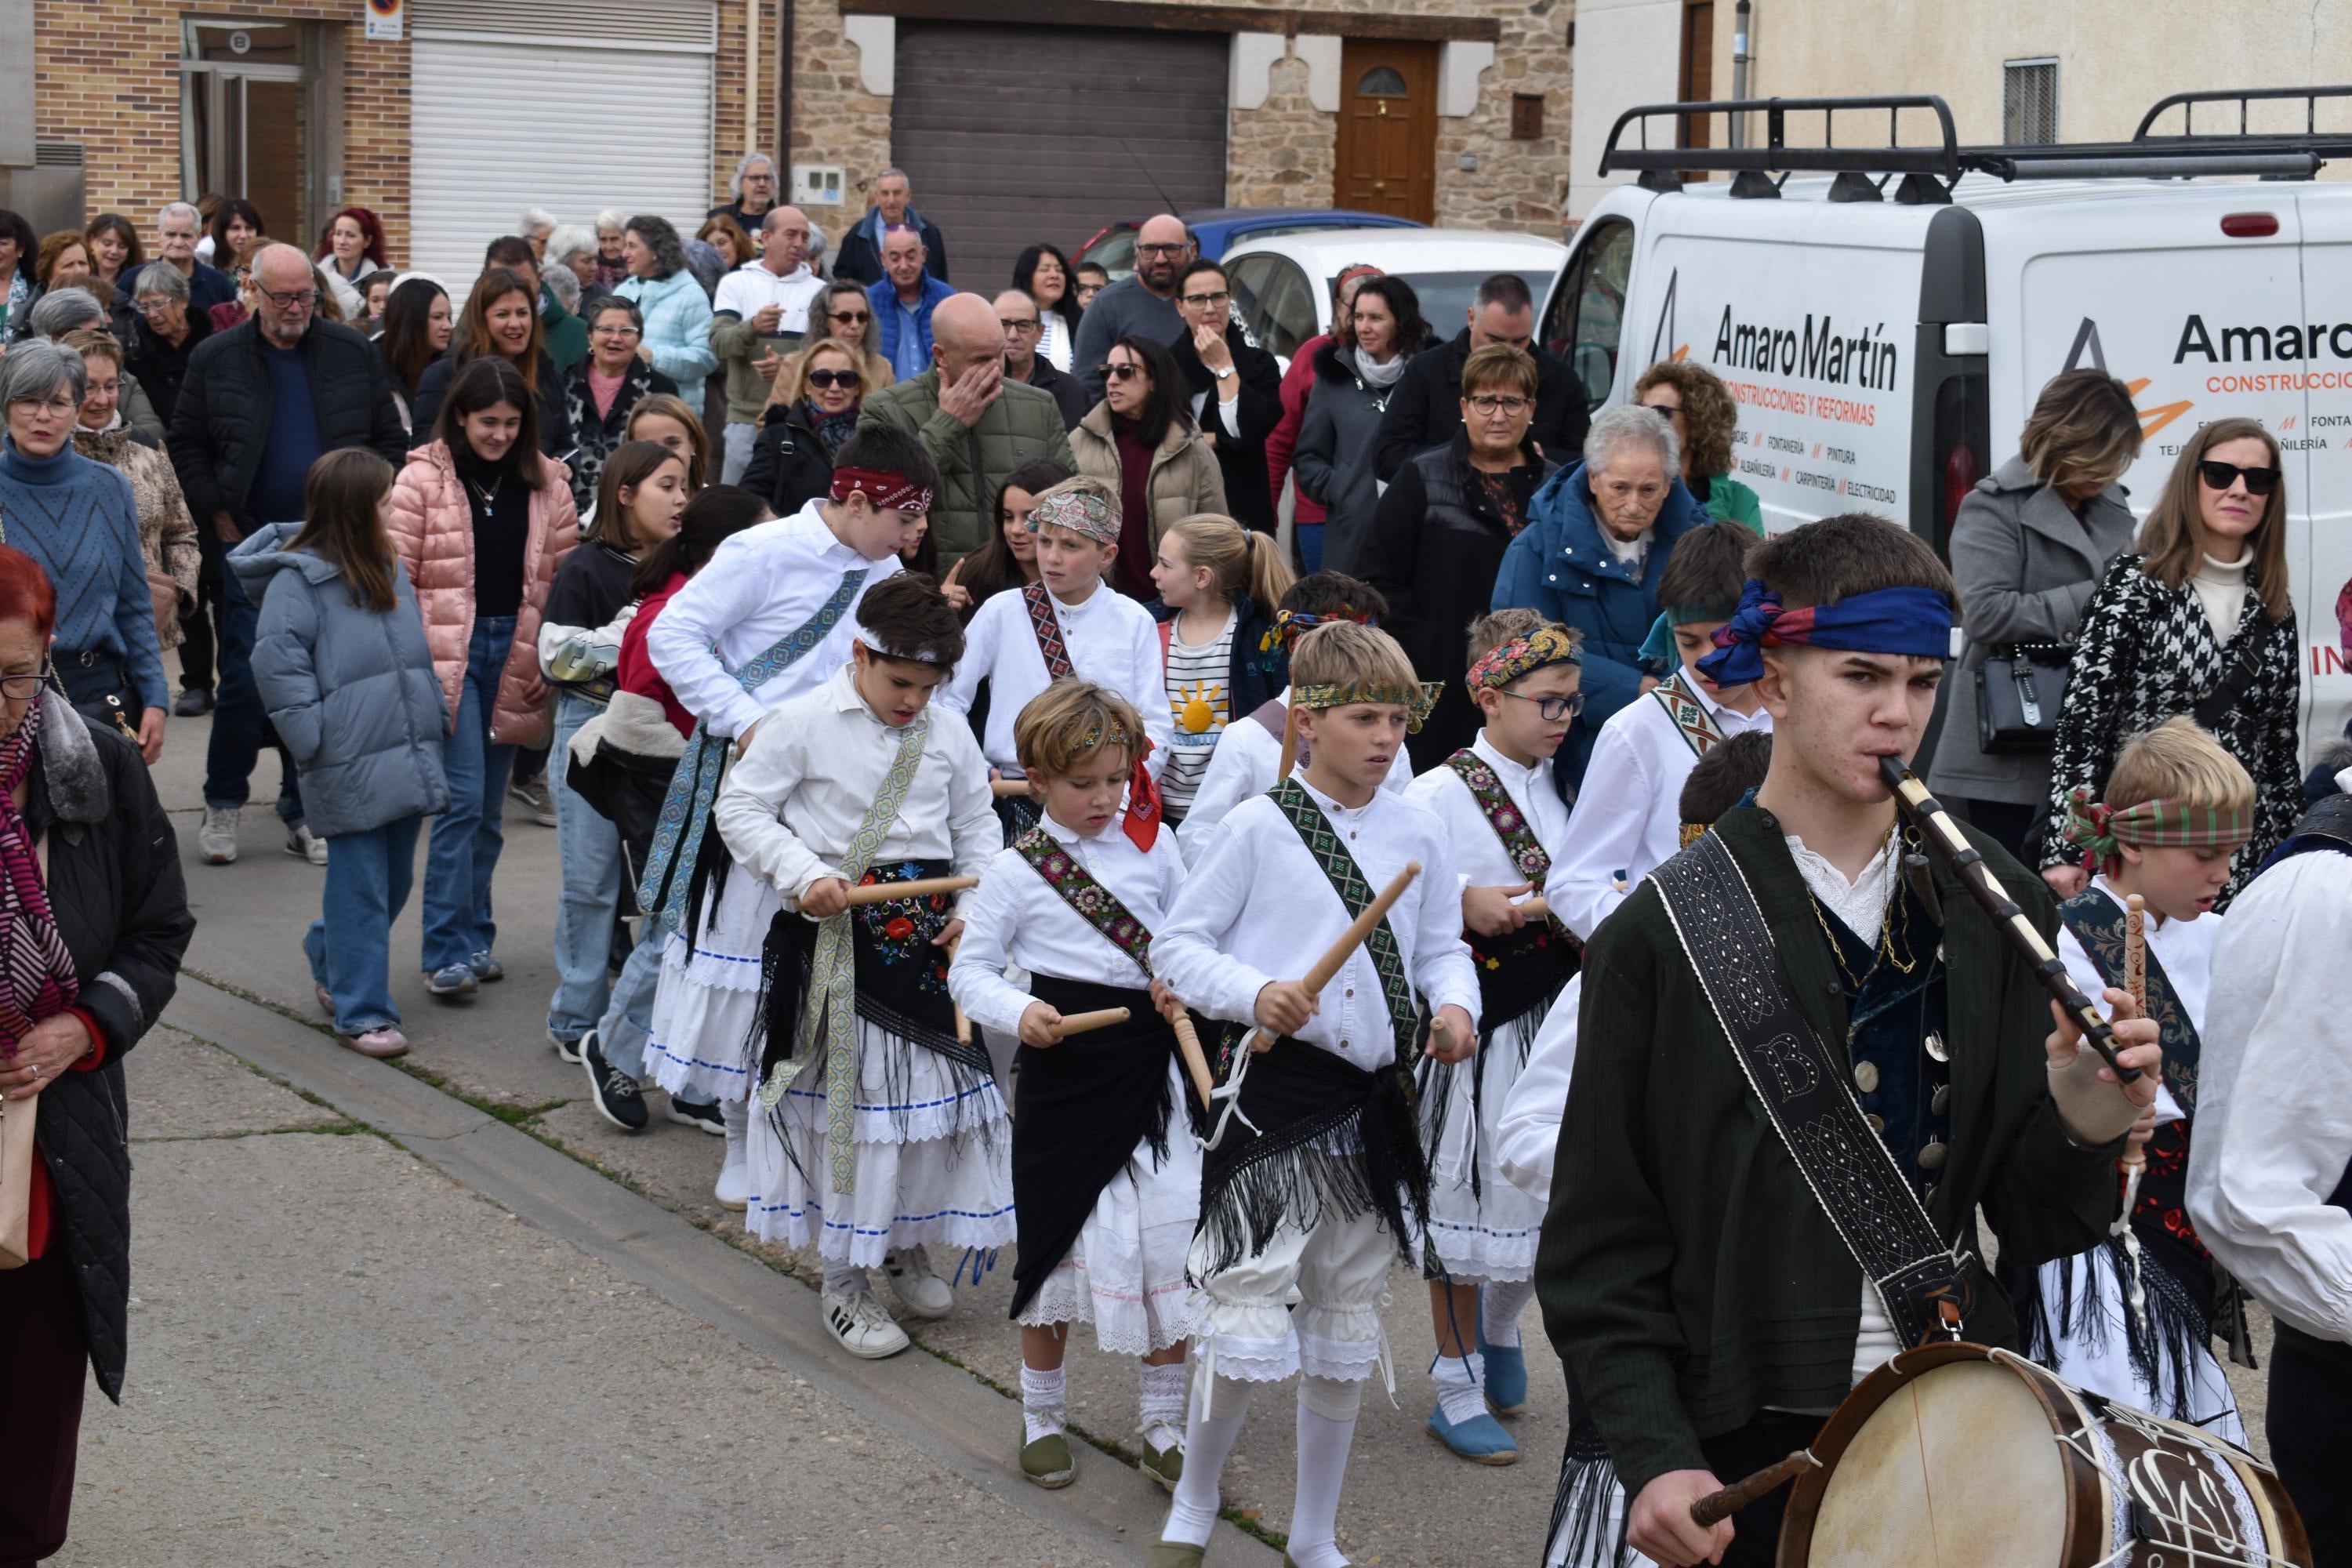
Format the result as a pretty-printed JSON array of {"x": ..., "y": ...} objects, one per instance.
[{"x": 887, "y": 490}]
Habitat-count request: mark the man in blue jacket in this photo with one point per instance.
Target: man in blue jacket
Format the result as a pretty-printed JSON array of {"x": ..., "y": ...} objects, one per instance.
[
  {"x": 1596, "y": 543},
  {"x": 903, "y": 302}
]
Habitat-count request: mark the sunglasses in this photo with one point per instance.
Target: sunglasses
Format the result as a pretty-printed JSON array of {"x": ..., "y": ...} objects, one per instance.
[
  {"x": 1119, "y": 372},
  {"x": 1555, "y": 708},
  {"x": 845, "y": 379},
  {"x": 1663, "y": 412},
  {"x": 2220, "y": 477},
  {"x": 849, "y": 316}
]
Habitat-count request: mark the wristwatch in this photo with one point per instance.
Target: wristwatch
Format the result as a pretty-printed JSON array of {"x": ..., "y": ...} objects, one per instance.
[{"x": 1222, "y": 374}]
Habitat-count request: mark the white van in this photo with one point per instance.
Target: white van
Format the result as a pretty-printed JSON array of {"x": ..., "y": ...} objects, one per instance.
[{"x": 1887, "y": 314}]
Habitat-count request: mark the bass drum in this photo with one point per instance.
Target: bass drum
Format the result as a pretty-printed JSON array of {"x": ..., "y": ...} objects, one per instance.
[{"x": 1954, "y": 1454}]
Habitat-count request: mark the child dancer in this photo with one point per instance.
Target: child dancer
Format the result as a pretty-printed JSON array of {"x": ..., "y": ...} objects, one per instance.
[
  {"x": 340, "y": 658},
  {"x": 1068, "y": 622},
  {"x": 1311, "y": 1199},
  {"x": 768, "y": 620},
  {"x": 1624, "y": 824},
  {"x": 880, "y": 1131},
  {"x": 1218, "y": 582},
  {"x": 1506, "y": 821},
  {"x": 2179, "y": 805},
  {"x": 1105, "y": 1183}
]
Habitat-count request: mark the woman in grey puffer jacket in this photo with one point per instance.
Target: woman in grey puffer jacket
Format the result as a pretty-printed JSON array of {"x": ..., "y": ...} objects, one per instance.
[
  {"x": 340, "y": 660},
  {"x": 1333, "y": 461}
]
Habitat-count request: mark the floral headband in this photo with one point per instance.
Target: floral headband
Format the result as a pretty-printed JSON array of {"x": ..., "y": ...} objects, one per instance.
[
  {"x": 2100, "y": 830},
  {"x": 1289, "y": 625},
  {"x": 1416, "y": 699},
  {"x": 1111, "y": 732},
  {"x": 1540, "y": 650},
  {"x": 1080, "y": 512}
]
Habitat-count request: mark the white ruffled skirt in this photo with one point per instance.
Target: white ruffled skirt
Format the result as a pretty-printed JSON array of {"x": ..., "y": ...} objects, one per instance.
[
  {"x": 699, "y": 1039},
  {"x": 1486, "y": 1234}
]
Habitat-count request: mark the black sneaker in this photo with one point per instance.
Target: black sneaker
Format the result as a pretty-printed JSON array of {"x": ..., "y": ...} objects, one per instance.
[
  {"x": 686, "y": 1114},
  {"x": 618, "y": 1099},
  {"x": 192, "y": 703}
]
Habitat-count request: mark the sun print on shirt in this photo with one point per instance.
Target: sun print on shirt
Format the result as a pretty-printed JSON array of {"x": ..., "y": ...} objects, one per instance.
[{"x": 1198, "y": 710}]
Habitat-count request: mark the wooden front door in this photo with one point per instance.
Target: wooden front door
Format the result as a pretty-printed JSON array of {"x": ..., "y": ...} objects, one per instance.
[
  {"x": 1698, "y": 69},
  {"x": 1386, "y": 155}
]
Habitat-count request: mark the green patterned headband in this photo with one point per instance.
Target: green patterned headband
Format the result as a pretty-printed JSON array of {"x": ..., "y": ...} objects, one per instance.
[{"x": 1416, "y": 699}]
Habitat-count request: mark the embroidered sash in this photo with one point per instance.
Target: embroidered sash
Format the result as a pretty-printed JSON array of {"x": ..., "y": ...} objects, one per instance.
[
  {"x": 1503, "y": 814},
  {"x": 1692, "y": 723},
  {"x": 685, "y": 809},
  {"x": 2097, "y": 922},
  {"x": 1048, "y": 627},
  {"x": 1092, "y": 902},
  {"x": 1331, "y": 853}
]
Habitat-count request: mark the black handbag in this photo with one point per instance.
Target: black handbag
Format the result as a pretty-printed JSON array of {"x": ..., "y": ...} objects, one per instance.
[{"x": 2020, "y": 690}]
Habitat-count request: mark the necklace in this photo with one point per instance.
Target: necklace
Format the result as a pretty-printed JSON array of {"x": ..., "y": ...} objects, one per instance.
[
  {"x": 1894, "y": 909},
  {"x": 489, "y": 496}
]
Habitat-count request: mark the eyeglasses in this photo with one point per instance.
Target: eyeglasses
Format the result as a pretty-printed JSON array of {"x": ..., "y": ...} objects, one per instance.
[
  {"x": 1161, "y": 249},
  {"x": 61, "y": 405},
  {"x": 1207, "y": 301},
  {"x": 849, "y": 315},
  {"x": 293, "y": 300},
  {"x": 156, "y": 305},
  {"x": 623, "y": 330},
  {"x": 2219, "y": 477},
  {"x": 1119, "y": 372},
  {"x": 1663, "y": 411},
  {"x": 1555, "y": 708},
  {"x": 25, "y": 687},
  {"x": 759, "y": 179},
  {"x": 1485, "y": 403},
  {"x": 845, "y": 379},
  {"x": 1022, "y": 327}
]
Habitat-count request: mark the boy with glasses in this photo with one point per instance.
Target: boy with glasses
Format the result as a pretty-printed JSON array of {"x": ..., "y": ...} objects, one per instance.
[{"x": 1092, "y": 279}]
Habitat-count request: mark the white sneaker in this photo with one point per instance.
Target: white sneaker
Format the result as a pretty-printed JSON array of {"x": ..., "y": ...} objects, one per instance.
[
  {"x": 861, "y": 1325},
  {"x": 734, "y": 1188},
  {"x": 918, "y": 1289},
  {"x": 301, "y": 843},
  {"x": 218, "y": 837}
]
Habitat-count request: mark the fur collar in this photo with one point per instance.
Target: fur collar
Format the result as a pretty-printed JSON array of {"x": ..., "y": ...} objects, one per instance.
[{"x": 70, "y": 768}]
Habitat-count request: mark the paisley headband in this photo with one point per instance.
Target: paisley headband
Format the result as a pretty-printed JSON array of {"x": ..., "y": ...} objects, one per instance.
[
  {"x": 1540, "y": 650},
  {"x": 887, "y": 490},
  {"x": 1416, "y": 699},
  {"x": 1081, "y": 512}
]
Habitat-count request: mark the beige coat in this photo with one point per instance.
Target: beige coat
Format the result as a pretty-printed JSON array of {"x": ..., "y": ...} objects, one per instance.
[{"x": 1185, "y": 478}]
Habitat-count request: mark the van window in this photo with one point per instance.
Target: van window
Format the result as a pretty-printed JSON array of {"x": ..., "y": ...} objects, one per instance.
[
  {"x": 1285, "y": 316},
  {"x": 1588, "y": 313},
  {"x": 1247, "y": 278}
]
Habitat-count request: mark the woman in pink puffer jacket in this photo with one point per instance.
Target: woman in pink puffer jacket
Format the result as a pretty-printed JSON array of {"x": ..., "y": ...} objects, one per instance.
[{"x": 482, "y": 521}]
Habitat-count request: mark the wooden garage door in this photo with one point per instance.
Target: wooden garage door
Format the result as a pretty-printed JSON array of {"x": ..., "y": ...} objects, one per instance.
[{"x": 1016, "y": 135}]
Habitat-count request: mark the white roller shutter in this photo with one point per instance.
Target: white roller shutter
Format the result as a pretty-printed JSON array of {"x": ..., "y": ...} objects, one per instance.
[{"x": 575, "y": 106}]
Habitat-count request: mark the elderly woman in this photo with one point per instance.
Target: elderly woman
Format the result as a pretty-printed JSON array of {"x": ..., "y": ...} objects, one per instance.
[
  {"x": 2030, "y": 543},
  {"x": 1596, "y": 541},
  {"x": 1441, "y": 533},
  {"x": 1700, "y": 408},
  {"x": 164, "y": 336},
  {"x": 574, "y": 250},
  {"x": 79, "y": 522},
  {"x": 64, "y": 311},
  {"x": 600, "y": 390},
  {"x": 612, "y": 234},
  {"x": 677, "y": 311},
  {"x": 96, "y": 918},
  {"x": 167, "y": 534}
]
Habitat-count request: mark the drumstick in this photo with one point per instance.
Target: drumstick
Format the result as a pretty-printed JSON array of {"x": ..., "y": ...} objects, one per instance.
[
  {"x": 1080, "y": 1023},
  {"x": 2135, "y": 982},
  {"x": 1354, "y": 937},
  {"x": 1289, "y": 739},
  {"x": 1717, "y": 1507},
  {"x": 1001, "y": 788},
  {"x": 1196, "y": 1061},
  {"x": 963, "y": 1024},
  {"x": 921, "y": 888}
]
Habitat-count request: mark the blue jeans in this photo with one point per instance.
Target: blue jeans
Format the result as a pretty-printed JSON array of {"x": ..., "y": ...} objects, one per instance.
[
  {"x": 630, "y": 1014},
  {"x": 240, "y": 723},
  {"x": 1308, "y": 537},
  {"x": 466, "y": 838},
  {"x": 589, "y": 847},
  {"x": 350, "y": 945}
]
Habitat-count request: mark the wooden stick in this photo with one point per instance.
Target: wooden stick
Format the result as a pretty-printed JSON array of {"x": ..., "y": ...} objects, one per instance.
[
  {"x": 1356, "y": 934},
  {"x": 963, "y": 1024},
  {"x": 1535, "y": 909},
  {"x": 1002, "y": 788},
  {"x": 1196, "y": 1060},
  {"x": 921, "y": 888},
  {"x": 1289, "y": 739},
  {"x": 1080, "y": 1023},
  {"x": 1717, "y": 1507},
  {"x": 2135, "y": 982}
]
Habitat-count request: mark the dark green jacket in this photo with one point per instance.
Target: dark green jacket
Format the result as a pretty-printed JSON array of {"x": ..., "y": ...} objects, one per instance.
[
  {"x": 1021, "y": 426},
  {"x": 1687, "y": 1275}
]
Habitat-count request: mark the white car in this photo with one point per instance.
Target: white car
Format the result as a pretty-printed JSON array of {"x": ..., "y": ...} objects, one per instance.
[{"x": 1282, "y": 285}]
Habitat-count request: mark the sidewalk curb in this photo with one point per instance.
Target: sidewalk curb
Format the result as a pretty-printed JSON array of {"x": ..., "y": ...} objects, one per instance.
[{"x": 939, "y": 1410}]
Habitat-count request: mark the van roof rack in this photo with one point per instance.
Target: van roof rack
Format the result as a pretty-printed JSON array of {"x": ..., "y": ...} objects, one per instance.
[{"x": 1931, "y": 168}]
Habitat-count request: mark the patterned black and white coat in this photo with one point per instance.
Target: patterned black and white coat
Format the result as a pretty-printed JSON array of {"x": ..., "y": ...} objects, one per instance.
[{"x": 2146, "y": 652}]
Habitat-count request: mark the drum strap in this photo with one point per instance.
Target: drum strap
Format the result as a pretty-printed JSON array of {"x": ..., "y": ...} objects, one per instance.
[{"x": 1803, "y": 1090}]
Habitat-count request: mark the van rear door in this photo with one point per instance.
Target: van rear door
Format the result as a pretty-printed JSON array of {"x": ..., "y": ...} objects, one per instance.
[{"x": 2323, "y": 567}]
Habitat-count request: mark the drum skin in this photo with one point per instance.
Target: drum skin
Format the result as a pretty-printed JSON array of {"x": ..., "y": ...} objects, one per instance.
[{"x": 1954, "y": 1454}]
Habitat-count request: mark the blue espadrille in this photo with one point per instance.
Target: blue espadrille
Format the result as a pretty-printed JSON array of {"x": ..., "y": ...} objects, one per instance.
[{"x": 1481, "y": 1439}]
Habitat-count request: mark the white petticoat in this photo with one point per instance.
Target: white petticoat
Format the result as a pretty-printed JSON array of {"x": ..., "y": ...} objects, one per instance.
[
  {"x": 2099, "y": 1359},
  {"x": 916, "y": 1184},
  {"x": 1124, "y": 1274},
  {"x": 1489, "y": 1238},
  {"x": 699, "y": 1042}
]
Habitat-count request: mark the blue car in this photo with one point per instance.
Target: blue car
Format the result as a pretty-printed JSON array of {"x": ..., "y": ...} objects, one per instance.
[{"x": 1218, "y": 229}]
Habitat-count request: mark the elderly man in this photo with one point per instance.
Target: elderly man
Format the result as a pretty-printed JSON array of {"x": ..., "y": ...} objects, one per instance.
[
  {"x": 1143, "y": 306},
  {"x": 1016, "y": 313},
  {"x": 761, "y": 310},
  {"x": 966, "y": 411},
  {"x": 861, "y": 258},
  {"x": 177, "y": 227},
  {"x": 903, "y": 302},
  {"x": 1425, "y": 411},
  {"x": 261, "y": 403},
  {"x": 755, "y": 196}
]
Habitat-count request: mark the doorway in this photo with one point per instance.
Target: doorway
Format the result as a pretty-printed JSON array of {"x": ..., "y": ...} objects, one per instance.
[
  {"x": 1697, "y": 74},
  {"x": 1386, "y": 159},
  {"x": 260, "y": 118}
]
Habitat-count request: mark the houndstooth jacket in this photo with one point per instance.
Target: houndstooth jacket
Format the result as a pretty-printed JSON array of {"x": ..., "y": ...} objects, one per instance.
[{"x": 2146, "y": 652}]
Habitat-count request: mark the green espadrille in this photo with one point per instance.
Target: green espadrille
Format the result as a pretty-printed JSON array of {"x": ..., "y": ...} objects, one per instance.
[
  {"x": 1047, "y": 1461},
  {"x": 1175, "y": 1554}
]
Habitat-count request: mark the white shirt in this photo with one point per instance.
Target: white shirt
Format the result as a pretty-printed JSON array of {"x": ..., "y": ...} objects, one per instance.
[
  {"x": 1229, "y": 412},
  {"x": 800, "y": 792},
  {"x": 2274, "y": 1095},
  {"x": 1242, "y": 765},
  {"x": 1053, "y": 347},
  {"x": 761, "y": 585},
  {"x": 1527, "y": 1135},
  {"x": 751, "y": 288},
  {"x": 2185, "y": 949},
  {"x": 1016, "y": 920},
  {"x": 1258, "y": 898},
  {"x": 1628, "y": 816},
  {"x": 1479, "y": 860},
  {"x": 1111, "y": 640}
]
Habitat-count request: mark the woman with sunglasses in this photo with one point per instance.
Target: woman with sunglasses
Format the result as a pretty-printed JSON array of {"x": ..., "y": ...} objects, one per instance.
[
  {"x": 2195, "y": 618},
  {"x": 1142, "y": 438},
  {"x": 850, "y": 321},
  {"x": 811, "y": 411}
]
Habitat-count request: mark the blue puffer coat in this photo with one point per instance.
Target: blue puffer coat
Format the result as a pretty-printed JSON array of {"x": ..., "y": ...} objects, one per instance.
[
  {"x": 677, "y": 326},
  {"x": 351, "y": 690}
]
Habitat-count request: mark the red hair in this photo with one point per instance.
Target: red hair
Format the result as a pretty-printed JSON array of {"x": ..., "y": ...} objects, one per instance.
[
  {"x": 26, "y": 591},
  {"x": 370, "y": 228}
]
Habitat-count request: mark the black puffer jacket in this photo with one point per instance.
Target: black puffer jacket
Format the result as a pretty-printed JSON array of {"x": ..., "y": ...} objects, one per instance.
[
  {"x": 162, "y": 365},
  {"x": 1425, "y": 409},
  {"x": 114, "y": 883},
  {"x": 789, "y": 466},
  {"x": 220, "y": 425},
  {"x": 598, "y": 436},
  {"x": 1249, "y": 501}
]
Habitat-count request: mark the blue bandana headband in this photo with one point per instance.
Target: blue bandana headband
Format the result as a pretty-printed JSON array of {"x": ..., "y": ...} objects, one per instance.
[{"x": 1913, "y": 621}]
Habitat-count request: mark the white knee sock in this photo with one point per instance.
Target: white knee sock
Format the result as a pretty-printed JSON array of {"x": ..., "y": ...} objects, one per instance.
[
  {"x": 1209, "y": 1437},
  {"x": 735, "y": 1116},
  {"x": 1042, "y": 1396},
  {"x": 841, "y": 1280},
  {"x": 1159, "y": 1403},
  {"x": 1499, "y": 1308},
  {"x": 1461, "y": 1385},
  {"x": 1327, "y": 1428}
]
